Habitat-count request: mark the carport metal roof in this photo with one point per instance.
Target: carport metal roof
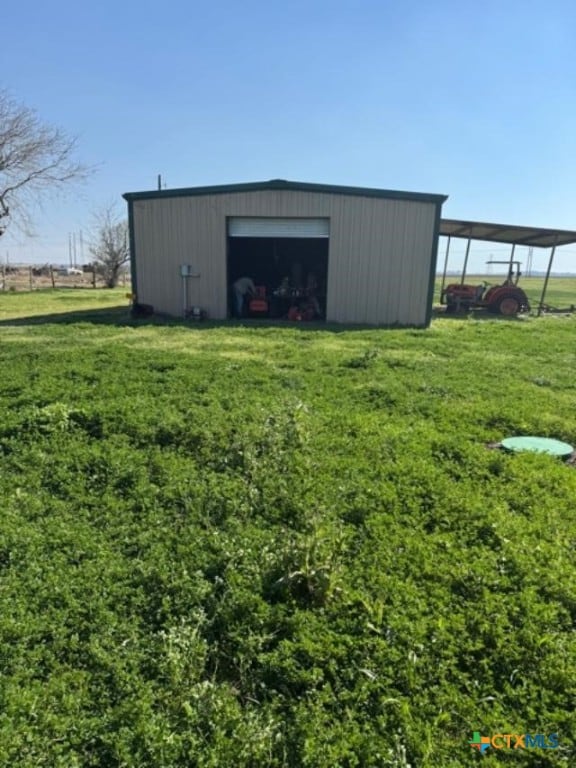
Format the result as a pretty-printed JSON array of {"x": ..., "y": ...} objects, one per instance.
[{"x": 507, "y": 233}]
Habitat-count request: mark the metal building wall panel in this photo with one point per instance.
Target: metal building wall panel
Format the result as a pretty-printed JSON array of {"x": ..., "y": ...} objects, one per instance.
[
  {"x": 380, "y": 255},
  {"x": 379, "y": 251}
]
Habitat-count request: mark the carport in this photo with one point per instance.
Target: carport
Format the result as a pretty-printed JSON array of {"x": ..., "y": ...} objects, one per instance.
[{"x": 535, "y": 237}]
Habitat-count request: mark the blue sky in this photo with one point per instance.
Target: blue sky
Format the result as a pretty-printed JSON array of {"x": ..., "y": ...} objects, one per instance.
[{"x": 474, "y": 100}]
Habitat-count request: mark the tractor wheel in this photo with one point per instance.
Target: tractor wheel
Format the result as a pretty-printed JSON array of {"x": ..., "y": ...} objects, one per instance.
[{"x": 508, "y": 306}]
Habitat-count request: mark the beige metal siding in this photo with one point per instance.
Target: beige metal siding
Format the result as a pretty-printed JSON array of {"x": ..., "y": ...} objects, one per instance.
[
  {"x": 379, "y": 251},
  {"x": 379, "y": 268},
  {"x": 169, "y": 233}
]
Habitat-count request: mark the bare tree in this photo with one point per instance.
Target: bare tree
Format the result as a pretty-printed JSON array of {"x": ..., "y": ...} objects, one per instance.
[
  {"x": 109, "y": 244},
  {"x": 35, "y": 158}
]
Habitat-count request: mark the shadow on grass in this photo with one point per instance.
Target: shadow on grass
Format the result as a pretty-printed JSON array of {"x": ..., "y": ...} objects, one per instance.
[
  {"x": 439, "y": 313},
  {"x": 122, "y": 317},
  {"x": 108, "y": 316}
]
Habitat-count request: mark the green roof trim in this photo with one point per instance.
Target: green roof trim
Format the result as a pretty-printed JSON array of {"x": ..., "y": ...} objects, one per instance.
[
  {"x": 132, "y": 241},
  {"x": 282, "y": 185},
  {"x": 433, "y": 264}
]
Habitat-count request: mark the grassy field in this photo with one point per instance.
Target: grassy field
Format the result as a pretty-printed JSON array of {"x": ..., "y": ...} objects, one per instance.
[
  {"x": 254, "y": 546},
  {"x": 55, "y": 304}
]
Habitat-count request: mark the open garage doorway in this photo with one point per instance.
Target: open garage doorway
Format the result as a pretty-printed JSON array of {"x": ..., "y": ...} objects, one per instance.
[{"x": 287, "y": 259}]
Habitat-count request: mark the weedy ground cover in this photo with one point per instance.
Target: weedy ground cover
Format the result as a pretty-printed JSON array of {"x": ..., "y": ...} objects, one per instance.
[{"x": 257, "y": 546}]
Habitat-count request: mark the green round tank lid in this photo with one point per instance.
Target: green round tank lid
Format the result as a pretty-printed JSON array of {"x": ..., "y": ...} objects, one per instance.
[{"x": 538, "y": 445}]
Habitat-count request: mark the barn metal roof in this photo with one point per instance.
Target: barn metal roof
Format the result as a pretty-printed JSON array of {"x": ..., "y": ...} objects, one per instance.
[
  {"x": 282, "y": 184},
  {"x": 507, "y": 233}
]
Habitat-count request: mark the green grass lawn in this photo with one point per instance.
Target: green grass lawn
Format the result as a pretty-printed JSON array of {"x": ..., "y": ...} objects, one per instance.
[
  {"x": 60, "y": 301},
  {"x": 278, "y": 546}
]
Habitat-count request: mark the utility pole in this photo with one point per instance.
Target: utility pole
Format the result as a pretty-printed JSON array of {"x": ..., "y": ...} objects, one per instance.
[{"x": 529, "y": 262}]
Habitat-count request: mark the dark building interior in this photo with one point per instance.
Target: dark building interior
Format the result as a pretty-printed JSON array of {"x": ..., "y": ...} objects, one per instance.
[{"x": 291, "y": 273}]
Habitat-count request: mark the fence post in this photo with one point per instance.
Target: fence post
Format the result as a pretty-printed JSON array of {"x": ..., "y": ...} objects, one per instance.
[
  {"x": 52, "y": 276},
  {"x": 30, "y": 278},
  {"x": 93, "y": 275}
]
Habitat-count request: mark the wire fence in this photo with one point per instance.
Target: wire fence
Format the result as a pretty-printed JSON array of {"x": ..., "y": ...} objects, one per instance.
[{"x": 33, "y": 278}]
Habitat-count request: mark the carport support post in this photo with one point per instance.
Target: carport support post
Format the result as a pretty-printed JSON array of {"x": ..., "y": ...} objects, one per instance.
[
  {"x": 445, "y": 267},
  {"x": 545, "y": 286},
  {"x": 465, "y": 261},
  {"x": 511, "y": 261}
]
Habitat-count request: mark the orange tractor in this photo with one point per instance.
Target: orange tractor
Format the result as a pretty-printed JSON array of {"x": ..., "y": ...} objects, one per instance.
[{"x": 504, "y": 299}]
